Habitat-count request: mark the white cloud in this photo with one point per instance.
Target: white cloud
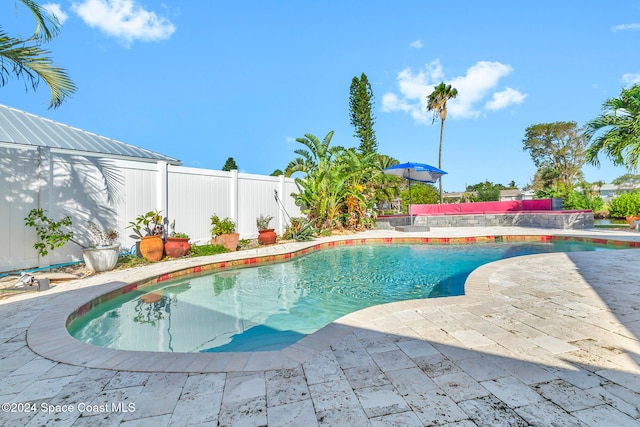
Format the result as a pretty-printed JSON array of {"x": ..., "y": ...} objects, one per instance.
[
  {"x": 417, "y": 44},
  {"x": 631, "y": 79},
  {"x": 124, "y": 19},
  {"x": 505, "y": 98},
  {"x": 55, "y": 9},
  {"x": 479, "y": 82},
  {"x": 625, "y": 27}
]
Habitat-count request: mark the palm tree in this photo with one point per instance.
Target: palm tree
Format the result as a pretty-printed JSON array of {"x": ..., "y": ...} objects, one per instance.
[
  {"x": 616, "y": 131},
  {"x": 437, "y": 102},
  {"x": 24, "y": 58}
]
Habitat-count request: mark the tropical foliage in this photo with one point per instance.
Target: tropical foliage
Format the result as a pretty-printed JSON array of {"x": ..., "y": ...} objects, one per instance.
[
  {"x": 437, "y": 102},
  {"x": 26, "y": 59},
  {"x": 151, "y": 223},
  {"x": 616, "y": 132},
  {"x": 338, "y": 186},
  {"x": 300, "y": 229}
]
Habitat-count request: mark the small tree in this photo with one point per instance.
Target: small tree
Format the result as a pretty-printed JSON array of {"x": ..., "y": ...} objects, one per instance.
[
  {"x": 230, "y": 165},
  {"x": 51, "y": 234},
  {"x": 487, "y": 191},
  {"x": 558, "y": 151}
]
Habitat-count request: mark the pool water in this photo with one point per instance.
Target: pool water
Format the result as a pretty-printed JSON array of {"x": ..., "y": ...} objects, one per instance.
[{"x": 271, "y": 306}]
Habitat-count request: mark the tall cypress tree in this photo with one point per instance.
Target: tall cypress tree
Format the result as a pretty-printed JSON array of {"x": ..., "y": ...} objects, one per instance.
[{"x": 362, "y": 119}]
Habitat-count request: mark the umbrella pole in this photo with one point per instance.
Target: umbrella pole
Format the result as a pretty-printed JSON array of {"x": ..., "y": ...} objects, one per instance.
[{"x": 410, "y": 202}]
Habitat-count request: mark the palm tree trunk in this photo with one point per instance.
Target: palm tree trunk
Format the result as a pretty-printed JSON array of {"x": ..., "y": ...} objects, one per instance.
[{"x": 440, "y": 156}]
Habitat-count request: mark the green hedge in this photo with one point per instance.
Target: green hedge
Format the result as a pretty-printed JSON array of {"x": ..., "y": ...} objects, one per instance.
[
  {"x": 578, "y": 201},
  {"x": 624, "y": 205}
]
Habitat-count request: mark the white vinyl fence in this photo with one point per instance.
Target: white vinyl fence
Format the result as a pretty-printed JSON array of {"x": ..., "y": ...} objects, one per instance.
[{"x": 112, "y": 191}]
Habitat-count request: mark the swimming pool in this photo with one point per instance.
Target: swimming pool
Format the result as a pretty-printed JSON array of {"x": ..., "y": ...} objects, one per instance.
[{"x": 269, "y": 307}]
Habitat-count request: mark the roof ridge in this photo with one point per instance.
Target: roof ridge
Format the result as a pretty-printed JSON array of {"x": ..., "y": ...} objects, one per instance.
[{"x": 35, "y": 117}]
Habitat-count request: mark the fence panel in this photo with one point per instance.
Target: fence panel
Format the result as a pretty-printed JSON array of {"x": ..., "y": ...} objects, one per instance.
[
  {"x": 113, "y": 192},
  {"x": 258, "y": 199},
  {"x": 193, "y": 196},
  {"x": 18, "y": 195}
]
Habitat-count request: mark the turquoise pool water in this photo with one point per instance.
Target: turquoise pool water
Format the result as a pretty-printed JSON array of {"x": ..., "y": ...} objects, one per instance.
[{"x": 269, "y": 307}]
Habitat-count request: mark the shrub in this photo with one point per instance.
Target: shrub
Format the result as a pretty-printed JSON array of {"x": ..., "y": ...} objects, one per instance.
[
  {"x": 579, "y": 201},
  {"x": 624, "y": 205},
  {"x": 420, "y": 194}
]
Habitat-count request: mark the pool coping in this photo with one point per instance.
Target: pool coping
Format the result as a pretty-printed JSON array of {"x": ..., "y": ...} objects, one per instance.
[{"x": 48, "y": 335}]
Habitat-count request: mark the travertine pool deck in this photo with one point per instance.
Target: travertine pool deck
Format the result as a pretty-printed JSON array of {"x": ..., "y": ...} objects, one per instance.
[{"x": 539, "y": 340}]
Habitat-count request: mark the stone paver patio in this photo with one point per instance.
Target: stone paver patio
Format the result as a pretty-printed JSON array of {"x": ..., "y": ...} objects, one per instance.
[{"x": 539, "y": 340}]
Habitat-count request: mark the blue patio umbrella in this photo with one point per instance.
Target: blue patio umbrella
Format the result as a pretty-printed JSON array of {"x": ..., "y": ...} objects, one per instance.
[{"x": 415, "y": 172}]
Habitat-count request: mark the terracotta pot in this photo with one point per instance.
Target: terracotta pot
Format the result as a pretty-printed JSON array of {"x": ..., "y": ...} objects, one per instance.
[
  {"x": 101, "y": 258},
  {"x": 229, "y": 241},
  {"x": 152, "y": 297},
  {"x": 152, "y": 248},
  {"x": 175, "y": 247},
  {"x": 633, "y": 221},
  {"x": 267, "y": 237}
]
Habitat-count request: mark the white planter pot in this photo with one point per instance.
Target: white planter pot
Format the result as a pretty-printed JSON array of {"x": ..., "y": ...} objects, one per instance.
[{"x": 103, "y": 258}]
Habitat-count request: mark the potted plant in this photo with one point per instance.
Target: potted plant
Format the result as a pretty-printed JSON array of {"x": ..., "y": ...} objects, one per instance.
[
  {"x": 266, "y": 235},
  {"x": 102, "y": 255},
  {"x": 177, "y": 245},
  {"x": 223, "y": 232},
  {"x": 149, "y": 229}
]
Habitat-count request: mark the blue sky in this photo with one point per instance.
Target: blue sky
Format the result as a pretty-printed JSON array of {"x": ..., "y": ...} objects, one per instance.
[{"x": 203, "y": 81}]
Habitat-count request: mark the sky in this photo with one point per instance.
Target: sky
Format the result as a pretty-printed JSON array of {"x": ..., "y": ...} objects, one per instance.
[{"x": 204, "y": 81}]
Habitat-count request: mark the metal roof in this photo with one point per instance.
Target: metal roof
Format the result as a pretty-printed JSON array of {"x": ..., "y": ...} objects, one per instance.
[{"x": 24, "y": 128}]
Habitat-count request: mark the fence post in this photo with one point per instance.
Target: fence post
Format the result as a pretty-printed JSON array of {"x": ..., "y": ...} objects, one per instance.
[
  {"x": 162, "y": 195},
  {"x": 44, "y": 170},
  {"x": 233, "y": 198},
  {"x": 280, "y": 213}
]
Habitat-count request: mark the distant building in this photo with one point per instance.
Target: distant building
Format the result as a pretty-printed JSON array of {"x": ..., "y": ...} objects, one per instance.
[
  {"x": 609, "y": 191},
  {"x": 505, "y": 195}
]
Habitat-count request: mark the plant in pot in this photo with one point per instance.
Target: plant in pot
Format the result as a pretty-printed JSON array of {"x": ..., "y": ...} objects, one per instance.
[
  {"x": 177, "y": 245},
  {"x": 149, "y": 229},
  {"x": 266, "y": 235},
  {"x": 223, "y": 232},
  {"x": 102, "y": 255}
]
